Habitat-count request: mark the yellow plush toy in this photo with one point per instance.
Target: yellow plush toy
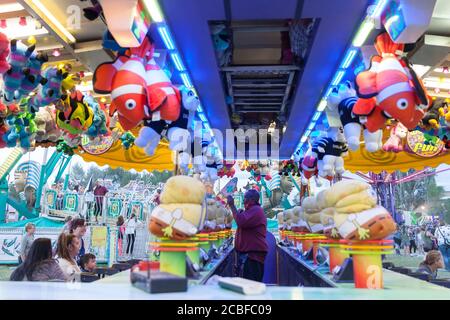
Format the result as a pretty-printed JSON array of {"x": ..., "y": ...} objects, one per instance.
[
  {"x": 182, "y": 211},
  {"x": 311, "y": 214},
  {"x": 367, "y": 197},
  {"x": 183, "y": 189},
  {"x": 327, "y": 220},
  {"x": 340, "y": 190}
]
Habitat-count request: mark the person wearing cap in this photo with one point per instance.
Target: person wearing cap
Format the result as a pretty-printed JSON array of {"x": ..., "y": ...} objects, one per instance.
[{"x": 250, "y": 242}]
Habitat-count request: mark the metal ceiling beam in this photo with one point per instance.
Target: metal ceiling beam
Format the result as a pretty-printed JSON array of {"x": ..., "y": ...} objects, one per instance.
[
  {"x": 287, "y": 92},
  {"x": 230, "y": 91},
  {"x": 258, "y": 85},
  {"x": 88, "y": 46},
  {"x": 259, "y": 29},
  {"x": 260, "y": 68}
]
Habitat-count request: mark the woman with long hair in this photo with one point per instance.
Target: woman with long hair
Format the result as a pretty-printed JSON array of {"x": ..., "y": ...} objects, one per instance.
[
  {"x": 68, "y": 248},
  {"x": 39, "y": 265},
  {"x": 78, "y": 228}
]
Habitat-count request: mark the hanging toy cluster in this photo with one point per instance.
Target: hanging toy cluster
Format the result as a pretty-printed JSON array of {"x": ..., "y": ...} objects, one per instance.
[
  {"x": 227, "y": 170},
  {"x": 258, "y": 169}
]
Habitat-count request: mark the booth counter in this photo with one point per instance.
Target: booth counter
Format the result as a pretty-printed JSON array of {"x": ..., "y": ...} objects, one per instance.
[{"x": 397, "y": 286}]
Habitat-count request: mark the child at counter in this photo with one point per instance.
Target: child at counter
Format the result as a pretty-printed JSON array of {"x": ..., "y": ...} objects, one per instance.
[{"x": 88, "y": 263}]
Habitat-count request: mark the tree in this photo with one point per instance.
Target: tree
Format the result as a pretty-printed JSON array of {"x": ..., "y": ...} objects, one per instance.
[{"x": 411, "y": 196}]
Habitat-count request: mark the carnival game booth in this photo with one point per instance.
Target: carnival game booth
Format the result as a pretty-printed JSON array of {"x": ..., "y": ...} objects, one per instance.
[{"x": 164, "y": 74}]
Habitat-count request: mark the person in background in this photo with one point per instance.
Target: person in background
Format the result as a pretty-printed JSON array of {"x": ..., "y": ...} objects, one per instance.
[
  {"x": 67, "y": 222},
  {"x": 130, "y": 231},
  {"x": 412, "y": 241},
  {"x": 442, "y": 234},
  {"x": 121, "y": 231},
  {"x": 405, "y": 240},
  {"x": 27, "y": 241},
  {"x": 99, "y": 193},
  {"x": 59, "y": 197},
  {"x": 250, "y": 242},
  {"x": 39, "y": 265},
  {"x": 427, "y": 238},
  {"x": 156, "y": 198},
  {"x": 419, "y": 241},
  {"x": 397, "y": 240},
  {"x": 67, "y": 251},
  {"x": 433, "y": 262},
  {"x": 78, "y": 229},
  {"x": 88, "y": 263}
]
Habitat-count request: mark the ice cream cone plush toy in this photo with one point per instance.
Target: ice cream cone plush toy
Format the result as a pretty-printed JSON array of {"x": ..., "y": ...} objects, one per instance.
[
  {"x": 298, "y": 222},
  {"x": 357, "y": 215},
  {"x": 327, "y": 220},
  {"x": 182, "y": 211},
  {"x": 311, "y": 214}
]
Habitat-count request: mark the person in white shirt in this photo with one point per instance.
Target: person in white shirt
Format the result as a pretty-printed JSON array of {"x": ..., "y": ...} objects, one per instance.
[
  {"x": 130, "y": 230},
  {"x": 442, "y": 234},
  {"x": 68, "y": 248}
]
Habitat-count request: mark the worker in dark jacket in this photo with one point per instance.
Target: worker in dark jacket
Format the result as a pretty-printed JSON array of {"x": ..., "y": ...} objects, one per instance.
[{"x": 250, "y": 241}]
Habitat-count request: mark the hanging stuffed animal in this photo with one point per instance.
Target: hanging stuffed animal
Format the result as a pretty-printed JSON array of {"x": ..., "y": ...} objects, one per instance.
[
  {"x": 100, "y": 122},
  {"x": 46, "y": 128},
  {"x": 176, "y": 131},
  {"x": 431, "y": 120},
  {"x": 70, "y": 80},
  {"x": 21, "y": 130},
  {"x": 386, "y": 90},
  {"x": 213, "y": 160},
  {"x": 50, "y": 92},
  {"x": 227, "y": 170},
  {"x": 329, "y": 152},
  {"x": 32, "y": 72},
  {"x": 65, "y": 148},
  {"x": 289, "y": 166},
  {"x": 395, "y": 141},
  {"x": 18, "y": 59},
  {"x": 73, "y": 115},
  {"x": 342, "y": 100},
  {"x": 4, "y": 53},
  {"x": 127, "y": 139}
]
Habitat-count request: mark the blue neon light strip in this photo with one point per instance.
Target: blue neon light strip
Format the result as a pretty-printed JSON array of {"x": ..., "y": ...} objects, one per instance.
[
  {"x": 349, "y": 58},
  {"x": 186, "y": 80},
  {"x": 311, "y": 126},
  {"x": 316, "y": 116},
  {"x": 177, "y": 61},
  {"x": 166, "y": 38},
  {"x": 338, "y": 78},
  {"x": 202, "y": 117}
]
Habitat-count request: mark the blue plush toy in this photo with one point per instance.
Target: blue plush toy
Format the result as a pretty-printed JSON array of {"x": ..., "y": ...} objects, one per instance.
[
  {"x": 98, "y": 127},
  {"x": 51, "y": 91},
  {"x": 127, "y": 140},
  {"x": 32, "y": 72},
  {"x": 18, "y": 59},
  {"x": 19, "y": 132}
]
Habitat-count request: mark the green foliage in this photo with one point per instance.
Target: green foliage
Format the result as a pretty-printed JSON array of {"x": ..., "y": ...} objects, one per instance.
[
  {"x": 411, "y": 196},
  {"x": 78, "y": 175}
]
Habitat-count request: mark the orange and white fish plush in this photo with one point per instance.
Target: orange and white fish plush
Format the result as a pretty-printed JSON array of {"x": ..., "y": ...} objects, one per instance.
[{"x": 389, "y": 89}]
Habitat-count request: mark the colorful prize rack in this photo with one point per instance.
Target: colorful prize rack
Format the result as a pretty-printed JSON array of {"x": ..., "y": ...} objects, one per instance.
[
  {"x": 367, "y": 264},
  {"x": 204, "y": 241},
  {"x": 336, "y": 255},
  {"x": 172, "y": 257}
]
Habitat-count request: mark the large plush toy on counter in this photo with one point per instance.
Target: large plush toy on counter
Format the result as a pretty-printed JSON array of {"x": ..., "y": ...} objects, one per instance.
[
  {"x": 311, "y": 214},
  {"x": 357, "y": 215},
  {"x": 389, "y": 89},
  {"x": 217, "y": 216},
  {"x": 395, "y": 142},
  {"x": 329, "y": 152},
  {"x": 342, "y": 100},
  {"x": 182, "y": 211},
  {"x": 32, "y": 72},
  {"x": 13, "y": 78},
  {"x": 4, "y": 53},
  {"x": 51, "y": 91},
  {"x": 73, "y": 115},
  {"x": 46, "y": 128}
]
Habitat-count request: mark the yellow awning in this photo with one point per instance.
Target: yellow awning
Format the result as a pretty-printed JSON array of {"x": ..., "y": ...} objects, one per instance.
[
  {"x": 379, "y": 161},
  {"x": 133, "y": 158}
]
